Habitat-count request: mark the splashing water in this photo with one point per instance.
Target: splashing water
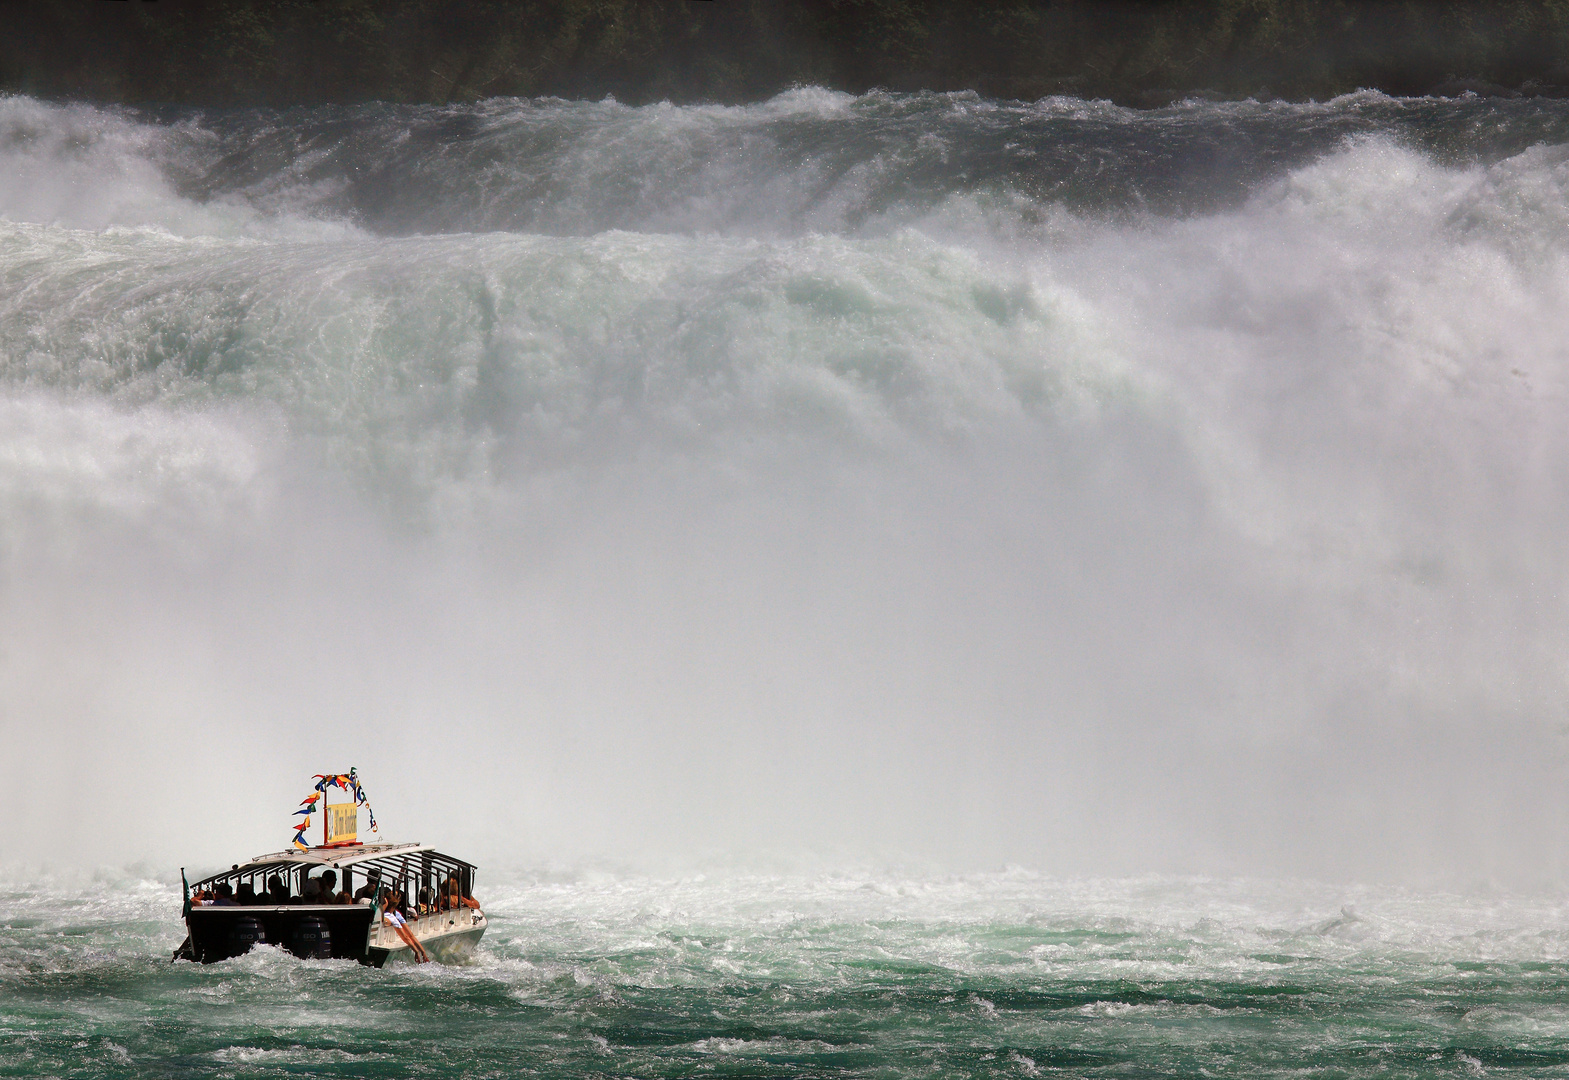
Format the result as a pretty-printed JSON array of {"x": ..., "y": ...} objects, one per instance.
[
  {"x": 846, "y": 974},
  {"x": 916, "y": 475},
  {"x": 905, "y": 480}
]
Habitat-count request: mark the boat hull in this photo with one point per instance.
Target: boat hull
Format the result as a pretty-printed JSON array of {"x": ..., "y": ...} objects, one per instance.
[
  {"x": 335, "y": 931},
  {"x": 448, "y": 936}
]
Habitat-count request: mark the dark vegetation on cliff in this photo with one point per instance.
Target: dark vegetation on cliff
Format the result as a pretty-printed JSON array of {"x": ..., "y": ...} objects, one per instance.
[{"x": 1141, "y": 52}]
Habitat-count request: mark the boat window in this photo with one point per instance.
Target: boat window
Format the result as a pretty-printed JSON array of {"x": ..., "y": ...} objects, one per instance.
[{"x": 425, "y": 879}]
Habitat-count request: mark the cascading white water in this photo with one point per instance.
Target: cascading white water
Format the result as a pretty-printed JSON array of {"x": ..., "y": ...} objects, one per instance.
[{"x": 883, "y": 477}]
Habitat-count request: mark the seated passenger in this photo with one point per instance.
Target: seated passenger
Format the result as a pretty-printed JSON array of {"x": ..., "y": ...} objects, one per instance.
[
  {"x": 310, "y": 893},
  {"x": 392, "y": 915},
  {"x": 456, "y": 897},
  {"x": 277, "y": 891},
  {"x": 372, "y": 887},
  {"x": 329, "y": 889},
  {"x": 245, "y": 894},
  {"x": 224, "y": 895}
]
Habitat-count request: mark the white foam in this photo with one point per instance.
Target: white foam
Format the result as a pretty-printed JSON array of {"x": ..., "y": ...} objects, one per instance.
[
  {"x": 88, "y": 167},
  {"x": 1058, "y": 543}
]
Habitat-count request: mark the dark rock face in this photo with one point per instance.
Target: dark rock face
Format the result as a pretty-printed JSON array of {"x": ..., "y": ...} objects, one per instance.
[
  {"x": 1479, "y": 87},
  {"x": 1136, "y": 52}
]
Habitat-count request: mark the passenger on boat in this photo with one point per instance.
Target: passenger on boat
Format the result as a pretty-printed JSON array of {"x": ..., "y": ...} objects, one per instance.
[
  {"x": 392, "y": 915},
  {"x": 372, "y": 887},
  {"x": 224, "y": 895},
  {"x": 329, "y": 889},
  {"x": 277, "y": 891},
  {"x": 245, "y": 894},
  {"x": 310, "y": 893},
  {"x": 455, "y": 895}
]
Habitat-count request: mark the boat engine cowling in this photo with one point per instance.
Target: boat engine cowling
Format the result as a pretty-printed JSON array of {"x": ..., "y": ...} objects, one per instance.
[
  {"x": 246, "y": 932},
  {"x": 311, "y": 939}
]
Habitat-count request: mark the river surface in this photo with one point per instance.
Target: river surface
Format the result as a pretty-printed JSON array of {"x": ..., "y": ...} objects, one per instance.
[{"x": 844, "y": 975}]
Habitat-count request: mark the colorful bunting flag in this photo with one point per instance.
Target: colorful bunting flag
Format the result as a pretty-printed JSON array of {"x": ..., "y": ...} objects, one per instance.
[{"x": 349, "y": 782}]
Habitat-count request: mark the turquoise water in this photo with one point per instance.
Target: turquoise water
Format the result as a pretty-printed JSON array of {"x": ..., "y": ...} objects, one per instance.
[{"x": 847, "y": 975}]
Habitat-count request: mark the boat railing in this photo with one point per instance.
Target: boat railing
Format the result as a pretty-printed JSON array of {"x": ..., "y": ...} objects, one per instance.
[{"x": 415, "y": 873}]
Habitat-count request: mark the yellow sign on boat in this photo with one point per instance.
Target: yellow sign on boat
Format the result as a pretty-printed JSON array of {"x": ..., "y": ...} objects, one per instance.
[{"x": 343, "y": 820}]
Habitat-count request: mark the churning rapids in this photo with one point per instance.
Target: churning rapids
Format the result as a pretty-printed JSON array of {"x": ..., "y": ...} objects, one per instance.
[{"x": 918, "y": 481}]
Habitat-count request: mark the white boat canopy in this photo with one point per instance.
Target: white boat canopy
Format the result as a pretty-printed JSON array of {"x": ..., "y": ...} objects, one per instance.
[{"x": 387, "y": 861}]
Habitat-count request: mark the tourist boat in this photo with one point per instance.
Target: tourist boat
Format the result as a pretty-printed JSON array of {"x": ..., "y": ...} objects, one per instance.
[{"x": 271, "y": 899}]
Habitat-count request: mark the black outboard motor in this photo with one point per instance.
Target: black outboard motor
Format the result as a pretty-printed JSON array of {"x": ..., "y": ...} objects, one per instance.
[
  {"x": 246, "y": 932},
  {"x": 311, "y": 939}
]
